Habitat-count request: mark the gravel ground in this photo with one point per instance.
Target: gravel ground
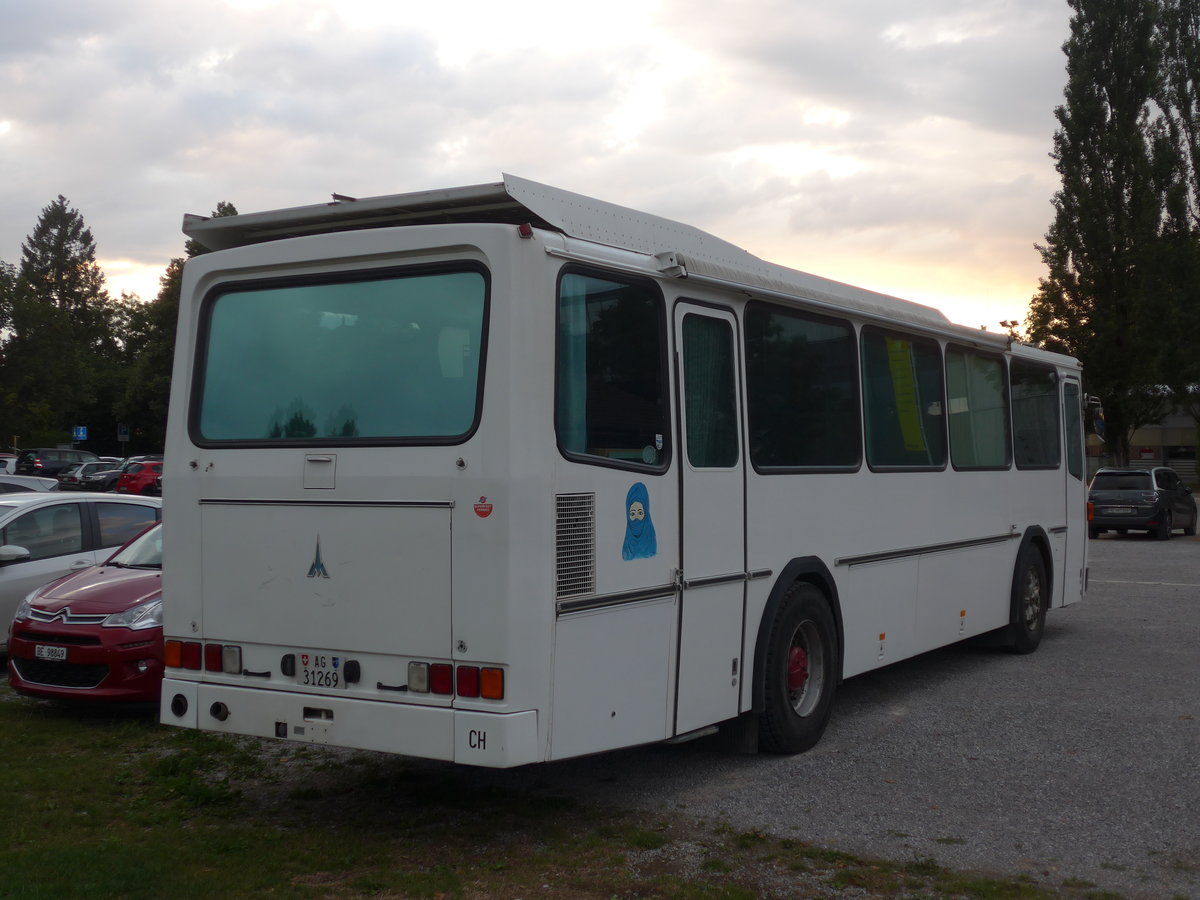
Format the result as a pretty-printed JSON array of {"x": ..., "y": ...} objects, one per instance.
[{"x": 1078, "y": 762}]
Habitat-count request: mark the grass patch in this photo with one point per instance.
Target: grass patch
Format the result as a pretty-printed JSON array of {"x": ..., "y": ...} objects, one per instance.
[{"x": 107, "y": 804}]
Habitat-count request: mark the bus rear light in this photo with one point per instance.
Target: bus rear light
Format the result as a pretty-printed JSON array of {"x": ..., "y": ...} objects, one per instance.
[
  {"x": 212, "y": 657},
  {"x": 441, "y": 678},
  {"x": 231, "y": 659},
  {"x": 467, "y": 681},
  {"x": 418, "y": 677},
  {"x": 491, "y": 683},
  {"x": 182, "y": 654}
]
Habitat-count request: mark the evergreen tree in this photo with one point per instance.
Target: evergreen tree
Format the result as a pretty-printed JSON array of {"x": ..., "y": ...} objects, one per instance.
[
  {"x": 1100, "y": 297},
  {"x": 152, "y": 351},
  {"x": 55, "y": 359}
]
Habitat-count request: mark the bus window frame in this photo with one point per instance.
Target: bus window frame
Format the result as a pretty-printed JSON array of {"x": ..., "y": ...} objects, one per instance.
[
  {"x": 856, "y": 363},
  {"x": 1007, "y": 384},
  {"x": 914, "y": 338},
  {"x": 347, "y": 276},
  {"x": 1059, "y": 424},
  {"x": 664, "y": 374}
]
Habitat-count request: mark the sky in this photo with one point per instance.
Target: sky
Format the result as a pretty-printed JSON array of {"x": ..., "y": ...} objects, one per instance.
[{"x": 900, "y": 147}]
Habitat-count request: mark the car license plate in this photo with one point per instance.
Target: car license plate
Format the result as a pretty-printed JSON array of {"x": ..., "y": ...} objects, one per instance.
[
  {"x": 41, "y": 651},
  {"x": 1119, "y": 511},
  {"x": 323, "y": 670}
]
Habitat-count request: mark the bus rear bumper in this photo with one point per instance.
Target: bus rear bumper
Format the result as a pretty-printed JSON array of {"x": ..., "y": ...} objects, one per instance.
[{"x": 494, "y": 740}]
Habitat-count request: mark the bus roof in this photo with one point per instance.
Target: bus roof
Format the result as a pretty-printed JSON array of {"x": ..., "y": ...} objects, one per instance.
[{"x": 515, "y": 201}]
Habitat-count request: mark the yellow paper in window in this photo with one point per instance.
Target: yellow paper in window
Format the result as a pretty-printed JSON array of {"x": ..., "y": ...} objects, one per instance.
[{"x": 904, "y": 385}]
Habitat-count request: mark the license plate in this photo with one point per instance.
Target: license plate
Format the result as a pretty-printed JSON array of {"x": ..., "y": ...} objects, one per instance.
[
  {"x": 41, "y": 651},
  {"x": 322, "y": 670},
  {"x": 1119, "y": 511}
]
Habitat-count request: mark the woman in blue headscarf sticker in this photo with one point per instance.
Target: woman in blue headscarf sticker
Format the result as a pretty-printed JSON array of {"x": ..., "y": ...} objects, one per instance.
[{"x": 640, "y": 542}]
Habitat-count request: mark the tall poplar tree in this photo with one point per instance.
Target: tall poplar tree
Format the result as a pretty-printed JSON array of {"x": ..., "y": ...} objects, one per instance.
[
  {"x": 1099, "y": 298},
  {"x": 1179, "y": 50}
]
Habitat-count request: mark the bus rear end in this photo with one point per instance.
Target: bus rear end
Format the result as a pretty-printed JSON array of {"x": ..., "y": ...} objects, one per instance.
[{"x": 322, "y": 473}]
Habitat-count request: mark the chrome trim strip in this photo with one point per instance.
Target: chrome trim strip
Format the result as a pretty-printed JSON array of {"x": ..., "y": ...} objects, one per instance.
[
  {"x": 922, "y": 551},
  {"x": 1060, "y": 529},
  {"x": 710, "y": 580},
  {"x": 407, "y": 504},
  {"x": 755, "y": 574},
  {"x": 623, "y": 598}
]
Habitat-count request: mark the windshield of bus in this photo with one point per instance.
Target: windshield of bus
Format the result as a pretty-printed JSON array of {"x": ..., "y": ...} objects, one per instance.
[{"x": 381, "y": 359}]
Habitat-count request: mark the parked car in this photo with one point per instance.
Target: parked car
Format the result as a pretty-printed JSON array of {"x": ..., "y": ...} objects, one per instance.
[
  {"x": 46, "y": 535},
  {"x": 139, "y": 477},
  {"x": 72, "y": 479},
  {"x": 8, "y": 463},
  {"x": 1153, "y": 500},
  {"x": 103, "y": 479},
  {"x": 20, "y": 484},
  {"x": 49, "y": 461},
  {"x": 94, "y": 635}
]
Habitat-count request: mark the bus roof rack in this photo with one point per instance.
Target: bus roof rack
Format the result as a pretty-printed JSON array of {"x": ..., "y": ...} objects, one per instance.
[{"x": 680, "y": 249}]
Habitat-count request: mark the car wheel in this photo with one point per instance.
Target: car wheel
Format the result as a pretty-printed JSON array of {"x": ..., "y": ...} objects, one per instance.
[
  {"x": 1030, "y": 597},
  {"x": 1093, "y": 533},
  {"x": 1190, "y": 530},
  {"x": 799, "y": 677},
  {"x": 1163, "y": 532}
]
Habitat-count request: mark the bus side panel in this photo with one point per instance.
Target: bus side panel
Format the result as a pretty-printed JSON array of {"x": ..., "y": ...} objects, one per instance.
[
  {"x": 879, "y": 611},
  {"x": 963, "y": 593},
  {"x": 613, "y": 669}
]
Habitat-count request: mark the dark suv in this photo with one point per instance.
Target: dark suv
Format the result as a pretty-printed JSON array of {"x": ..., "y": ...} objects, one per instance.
[
  {"x": 1152, "y": 500},
  {"x": 49, "y": 461}
]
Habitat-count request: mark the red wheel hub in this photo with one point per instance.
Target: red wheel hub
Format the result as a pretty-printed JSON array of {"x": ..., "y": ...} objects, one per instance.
[{"x": 797, "y": 675}]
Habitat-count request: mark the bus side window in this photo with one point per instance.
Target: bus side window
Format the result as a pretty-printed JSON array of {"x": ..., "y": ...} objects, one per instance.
[
  {"x": 903, "y": 401},
  {"x": 1034, "y": 416},
  {"x": 802, "y": 390},
  {"x": 611, "y": 385},
  {"x": 977, "y": 410}
]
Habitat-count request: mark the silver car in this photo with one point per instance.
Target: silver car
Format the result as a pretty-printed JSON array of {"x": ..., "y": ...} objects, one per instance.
[{"x": 46, "y": 535}]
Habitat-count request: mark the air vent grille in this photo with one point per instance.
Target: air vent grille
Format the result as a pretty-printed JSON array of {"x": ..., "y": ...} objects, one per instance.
[{"x": 575, "y": 545}]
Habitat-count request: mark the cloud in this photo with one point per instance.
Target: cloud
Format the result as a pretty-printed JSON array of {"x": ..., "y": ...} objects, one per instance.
[{"x": 903, "y": 132}]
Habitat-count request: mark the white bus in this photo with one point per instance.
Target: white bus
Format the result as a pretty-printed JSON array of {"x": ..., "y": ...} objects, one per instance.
[{"x": 502, "y": 474}]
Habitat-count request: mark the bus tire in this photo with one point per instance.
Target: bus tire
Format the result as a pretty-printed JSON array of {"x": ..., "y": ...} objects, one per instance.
[
  {"x": 1030, "y": 597},
  {"x": 799, "y": 681}
]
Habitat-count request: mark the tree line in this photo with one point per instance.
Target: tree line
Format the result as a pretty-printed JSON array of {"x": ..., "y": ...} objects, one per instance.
[
  {"x": 1122, "y": 289},
  {"x": 72, "y": 354}
]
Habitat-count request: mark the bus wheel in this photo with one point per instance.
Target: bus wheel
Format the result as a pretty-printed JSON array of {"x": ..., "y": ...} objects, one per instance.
[
  {"x": 799, "y": 677},
  {"x": 1030, "y": 597}
]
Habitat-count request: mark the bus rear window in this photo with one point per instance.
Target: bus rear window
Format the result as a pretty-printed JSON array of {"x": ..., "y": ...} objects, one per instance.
[{"x": 385, "y": 359}]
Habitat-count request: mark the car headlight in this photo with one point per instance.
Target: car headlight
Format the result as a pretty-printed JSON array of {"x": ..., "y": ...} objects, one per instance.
[
  {"x": 25, "y": 607},
  {"x": 138, "y": 618}
]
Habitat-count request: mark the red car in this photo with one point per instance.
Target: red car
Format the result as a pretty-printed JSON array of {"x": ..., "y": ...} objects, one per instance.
[
  {"x": 94, "y": 635},
  {"x": 140, "y": 478}
]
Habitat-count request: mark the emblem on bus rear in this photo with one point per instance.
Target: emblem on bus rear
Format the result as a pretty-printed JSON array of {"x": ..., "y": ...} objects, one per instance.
[{"x": 317, "y": 568}]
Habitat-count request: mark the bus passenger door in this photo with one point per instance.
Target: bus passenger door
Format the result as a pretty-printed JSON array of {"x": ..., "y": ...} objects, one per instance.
[{"x": 712, "y": 517}]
